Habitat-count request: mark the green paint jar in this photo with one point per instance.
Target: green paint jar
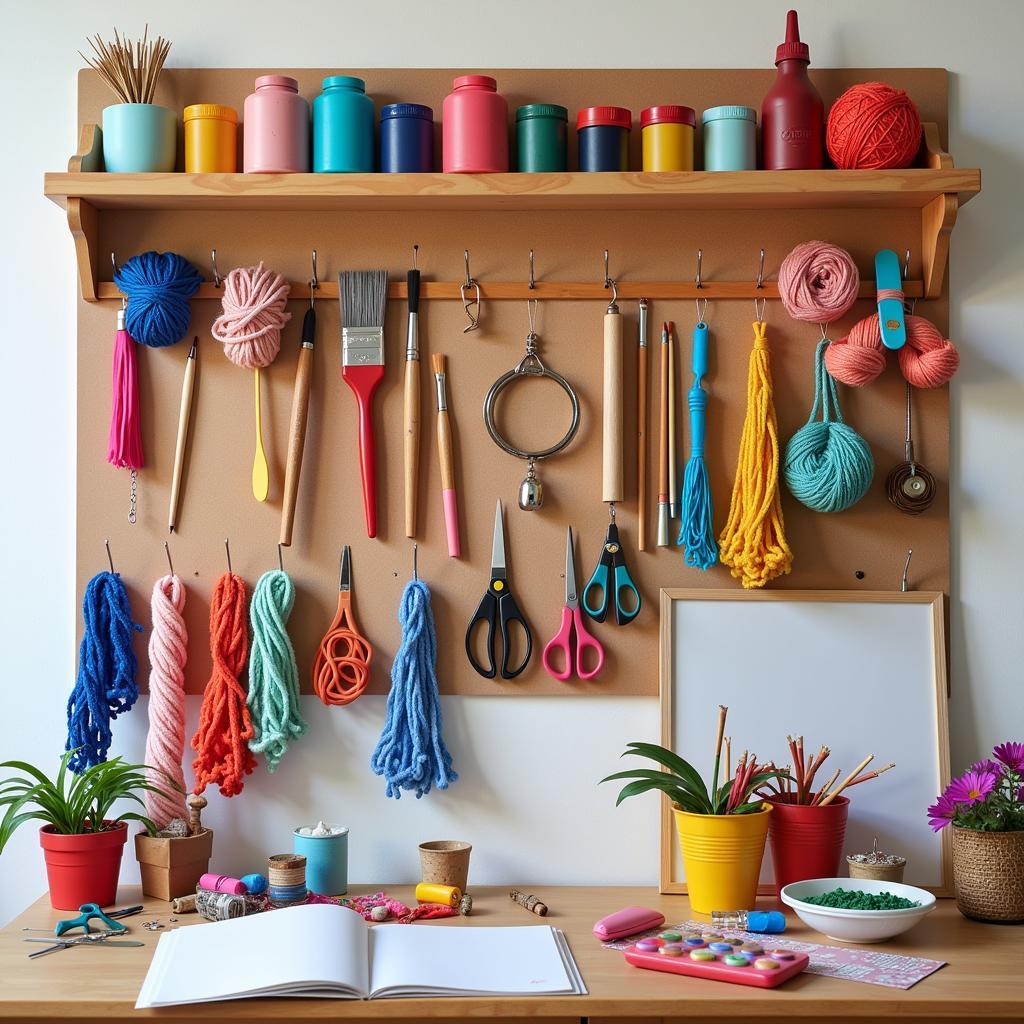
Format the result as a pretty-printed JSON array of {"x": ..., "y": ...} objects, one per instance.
[
  {"x": 542, "y": 138},
  {"x": 730, "y": 139}
]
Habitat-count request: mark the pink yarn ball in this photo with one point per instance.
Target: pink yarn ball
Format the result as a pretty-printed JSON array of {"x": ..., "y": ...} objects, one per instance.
[
  {"x": 254, "y": 313},
  {"x": 873, "y": 126},
  {"x": 818, "y": 282},
  {"x": 858, "y": 358}
]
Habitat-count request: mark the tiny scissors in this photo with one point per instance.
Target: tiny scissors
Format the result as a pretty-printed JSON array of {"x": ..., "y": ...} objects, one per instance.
[
  {"x": 497, "y": 605},
  {"x": 611, "y": 578},
  {"x": 572, "y": 621},
  {"x": 342, "y": 667}
]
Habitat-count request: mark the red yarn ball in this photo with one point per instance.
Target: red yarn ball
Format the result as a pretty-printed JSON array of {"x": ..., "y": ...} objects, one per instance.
[{"x": 873, "y": 126}]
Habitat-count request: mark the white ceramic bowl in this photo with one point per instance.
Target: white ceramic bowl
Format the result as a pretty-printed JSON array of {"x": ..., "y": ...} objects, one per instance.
[{"x": 857, "y": 925}]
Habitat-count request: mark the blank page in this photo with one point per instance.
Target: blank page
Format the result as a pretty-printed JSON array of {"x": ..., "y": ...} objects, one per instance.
[
  {"x": 410, "y": 959},
  {"x": 302, "y": 949}
]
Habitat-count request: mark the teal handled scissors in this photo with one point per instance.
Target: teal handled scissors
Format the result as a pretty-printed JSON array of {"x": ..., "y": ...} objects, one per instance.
[
  {"x": 92, "y": 912},
  {"x": 572, "y": 624},
  {"x": 611, "y": 585}
]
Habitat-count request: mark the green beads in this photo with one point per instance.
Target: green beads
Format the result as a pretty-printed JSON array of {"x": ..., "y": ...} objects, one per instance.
[{"x": 853, "y": 899}]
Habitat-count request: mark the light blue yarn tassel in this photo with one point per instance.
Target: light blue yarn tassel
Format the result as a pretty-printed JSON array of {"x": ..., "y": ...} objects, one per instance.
[
  {"x": 696, "y": 517},
  {"x": 828, "y": 465},
  {"x": 411, "y": 753},
  {"x": 273, "y": 675},
  {"x": 105, "y": 686}
]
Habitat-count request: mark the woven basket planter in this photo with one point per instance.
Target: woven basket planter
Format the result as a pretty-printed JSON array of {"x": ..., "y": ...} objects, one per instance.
[{"x": 988, "y": 868}]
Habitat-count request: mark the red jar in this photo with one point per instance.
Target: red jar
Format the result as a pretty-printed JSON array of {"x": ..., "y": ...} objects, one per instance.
[{"x": 474, "y": 129}]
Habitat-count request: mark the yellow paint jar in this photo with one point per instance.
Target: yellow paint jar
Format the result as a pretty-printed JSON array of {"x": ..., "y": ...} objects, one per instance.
[
  {"x": 449, "y": 895},
  {"x": 211, "y": 144},
  {"x": 666, "y": 134}
]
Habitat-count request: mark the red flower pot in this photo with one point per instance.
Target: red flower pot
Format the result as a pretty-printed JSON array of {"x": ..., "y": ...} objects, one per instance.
[
  {"x": 806, "y": 842},
  {"x": 83, "y": 868}
]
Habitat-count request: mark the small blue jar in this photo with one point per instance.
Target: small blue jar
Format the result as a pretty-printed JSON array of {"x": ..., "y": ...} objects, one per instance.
[
  {"x": 406, "y": 139},
  {"x": 343, "y": 127},
  {"x": 730, "y": 139}
]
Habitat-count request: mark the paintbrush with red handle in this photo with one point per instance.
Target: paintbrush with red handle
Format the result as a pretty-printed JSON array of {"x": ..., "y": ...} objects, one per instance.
[{"x": 363, "y": 296}]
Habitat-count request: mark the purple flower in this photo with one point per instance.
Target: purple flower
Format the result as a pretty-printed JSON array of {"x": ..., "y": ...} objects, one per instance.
[
  {"x": 1011, "y": 754},
  {"x": 940, "y": 814},
  {"x": 972, "y": 787},
  {"x": 987, "y": 765}
]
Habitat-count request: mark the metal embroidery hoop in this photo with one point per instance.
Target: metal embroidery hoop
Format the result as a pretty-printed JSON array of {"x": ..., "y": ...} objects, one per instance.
[{"x": 531, "y": 492}]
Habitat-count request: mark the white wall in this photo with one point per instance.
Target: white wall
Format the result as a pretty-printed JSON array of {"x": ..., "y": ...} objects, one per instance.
[{"x": 527, "y": 798}]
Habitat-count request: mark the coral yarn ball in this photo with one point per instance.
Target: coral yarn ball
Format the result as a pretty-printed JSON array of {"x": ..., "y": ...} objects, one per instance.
[{"x": 873, "y": 126}]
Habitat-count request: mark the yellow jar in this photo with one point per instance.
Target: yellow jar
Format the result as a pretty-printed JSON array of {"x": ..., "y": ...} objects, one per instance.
[
  {"x": 210, "y": 138},
  {"x": 666, "y": 134}
]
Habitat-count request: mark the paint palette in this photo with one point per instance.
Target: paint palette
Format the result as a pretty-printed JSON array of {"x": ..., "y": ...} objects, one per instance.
[{"x": 717, "y": 958}]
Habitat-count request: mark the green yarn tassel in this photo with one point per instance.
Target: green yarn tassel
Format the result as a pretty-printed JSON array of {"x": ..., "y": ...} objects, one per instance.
[{"x": 273, "y": 675}]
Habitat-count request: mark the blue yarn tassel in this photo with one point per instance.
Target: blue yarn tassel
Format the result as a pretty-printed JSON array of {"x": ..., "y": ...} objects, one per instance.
[
  {"x": 696, "y": 525},
  {"x": 105, "y": 686},
  {"x": 158, "y": 286},
  {"x": 411, "y": 754}
]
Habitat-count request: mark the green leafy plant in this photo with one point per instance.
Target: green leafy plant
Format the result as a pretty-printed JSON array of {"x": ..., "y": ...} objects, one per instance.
[
  {"x": 74, "y": 804},
  {"x": 682, "y": 783}
]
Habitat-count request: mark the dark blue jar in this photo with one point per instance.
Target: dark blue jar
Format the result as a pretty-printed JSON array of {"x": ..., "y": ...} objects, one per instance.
[
  {"x": 603, "y": 136},
  {"x": 406, "y": 138}
]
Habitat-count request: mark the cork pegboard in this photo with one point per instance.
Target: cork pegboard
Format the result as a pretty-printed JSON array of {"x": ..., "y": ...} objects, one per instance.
[{"x": 830, "y": 551}]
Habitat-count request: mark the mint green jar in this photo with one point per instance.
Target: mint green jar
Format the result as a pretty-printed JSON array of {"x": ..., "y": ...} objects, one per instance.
[
  {"x": 343, "y": 118},
  {"x": 730, "y": 139}
]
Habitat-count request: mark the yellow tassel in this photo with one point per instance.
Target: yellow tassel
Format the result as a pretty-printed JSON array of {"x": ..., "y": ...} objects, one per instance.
[{"x": 753, "y": 543}]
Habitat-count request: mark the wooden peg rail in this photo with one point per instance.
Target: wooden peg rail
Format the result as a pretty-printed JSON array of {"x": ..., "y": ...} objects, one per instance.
[{"x": 714, "y": 291}]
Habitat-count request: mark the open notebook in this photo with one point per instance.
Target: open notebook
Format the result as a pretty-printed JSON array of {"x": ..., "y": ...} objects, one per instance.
[{"x": 324, "y": 950}]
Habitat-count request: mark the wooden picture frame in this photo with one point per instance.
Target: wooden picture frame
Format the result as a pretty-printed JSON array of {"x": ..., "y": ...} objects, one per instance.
[{"x": 934, "y": 605}]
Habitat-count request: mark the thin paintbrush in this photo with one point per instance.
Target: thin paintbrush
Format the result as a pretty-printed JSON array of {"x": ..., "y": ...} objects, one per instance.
[
  {"x": 673, "y": 488},
  {"x": 663, "y": 444},
  {"x": 412, "y": 402},
  {"x": 362, "y": 295},
  {"x": 184, "y": 415},
  {"x": 446, "y": 457},
  {"x": 641, "y": 432},
  {"x": 297, "y": 429}
]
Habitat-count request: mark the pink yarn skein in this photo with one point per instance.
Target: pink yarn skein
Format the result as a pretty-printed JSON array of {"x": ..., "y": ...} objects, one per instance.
[
  {"x": 165, "y": 743},
  {"x": 818, "y": 282},
  {"x": 254, "y": 313}
]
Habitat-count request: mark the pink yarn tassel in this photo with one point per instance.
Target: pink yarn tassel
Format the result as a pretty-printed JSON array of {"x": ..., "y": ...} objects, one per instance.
[
  {"x": 165, "y": 744},
  {"x": 124, "y": 447}
]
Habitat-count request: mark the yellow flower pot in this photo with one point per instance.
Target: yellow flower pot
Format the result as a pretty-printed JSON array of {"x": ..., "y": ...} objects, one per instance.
[{"x": 722, "y": 856}]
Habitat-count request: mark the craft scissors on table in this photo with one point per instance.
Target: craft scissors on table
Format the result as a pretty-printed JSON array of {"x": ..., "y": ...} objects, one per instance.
[
  {"x": 498, "y": 608},
  {"x": 572, "y": 628},
  {"x": 612, "y": 579},
  {"x": 91, "y": 911},
  {"x": 92, "y": 939}
]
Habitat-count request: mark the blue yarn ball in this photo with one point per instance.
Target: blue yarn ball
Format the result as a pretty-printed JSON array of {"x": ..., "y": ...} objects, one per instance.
[
  {"x": 828, "y": 466},
  {"x": 158, "y": 286},
  {"x": 255, "y": 883}
]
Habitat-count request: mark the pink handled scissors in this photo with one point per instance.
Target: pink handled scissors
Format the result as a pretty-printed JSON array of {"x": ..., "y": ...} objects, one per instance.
[{"x": 572, "y": 623}]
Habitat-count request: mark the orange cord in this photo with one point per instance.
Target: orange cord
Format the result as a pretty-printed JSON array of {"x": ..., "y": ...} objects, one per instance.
[
  {"x": 221, "y": 742},
  {"x": 342, "y": 667}
]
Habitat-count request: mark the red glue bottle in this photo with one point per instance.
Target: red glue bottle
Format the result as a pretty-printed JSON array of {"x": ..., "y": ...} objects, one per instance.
[{"x": 792, "y": 114}]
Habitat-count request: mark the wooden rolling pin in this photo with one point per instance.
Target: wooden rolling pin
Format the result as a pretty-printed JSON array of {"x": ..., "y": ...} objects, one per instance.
[
  {"x": 297, "y": 428},
  {"x": 611, "y": 463},
  {"x": 411, "y": 422}
]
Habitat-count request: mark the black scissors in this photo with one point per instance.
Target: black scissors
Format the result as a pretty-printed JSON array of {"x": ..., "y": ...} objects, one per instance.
[
  {"x": 498, "y": 606},
  {"x": 612, "y": 579}
]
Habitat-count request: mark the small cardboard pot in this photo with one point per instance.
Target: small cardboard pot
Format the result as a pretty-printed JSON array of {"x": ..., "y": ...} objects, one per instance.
[
  {"x": 445, "y": 862},
  {"x": 83, "y": 868},
  {"x": 876, "y": 872},
  {"x": 172, "y": 867}
]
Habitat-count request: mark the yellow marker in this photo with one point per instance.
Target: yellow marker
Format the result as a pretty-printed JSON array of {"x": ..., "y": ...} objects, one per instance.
[{"x": 428, "y": 892}]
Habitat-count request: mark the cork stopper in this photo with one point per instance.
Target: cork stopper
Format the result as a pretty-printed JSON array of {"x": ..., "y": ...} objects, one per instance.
[{"x": 196, "y": 803}]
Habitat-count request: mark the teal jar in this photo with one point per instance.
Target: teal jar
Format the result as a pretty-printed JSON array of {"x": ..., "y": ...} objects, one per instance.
[
  {"x": 343, "y": 127},
  {"x": 542, "y": 138},
  {"x": 730, "y": 139}
]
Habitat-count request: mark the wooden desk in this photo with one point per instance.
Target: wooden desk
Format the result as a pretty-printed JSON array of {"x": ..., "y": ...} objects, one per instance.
[{"x": 983, "y": 980}]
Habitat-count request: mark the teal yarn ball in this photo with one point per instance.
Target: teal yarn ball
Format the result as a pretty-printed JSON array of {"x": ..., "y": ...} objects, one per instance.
[
  {"x": 828, "y": 466},
  {"x": 255, "y": 883}
]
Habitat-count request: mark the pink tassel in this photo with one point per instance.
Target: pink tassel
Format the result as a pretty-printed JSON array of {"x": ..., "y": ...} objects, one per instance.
[{"x": 124, "y": 447}]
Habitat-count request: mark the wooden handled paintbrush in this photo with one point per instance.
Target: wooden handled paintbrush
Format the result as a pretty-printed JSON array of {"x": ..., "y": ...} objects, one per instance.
[
  {"x": 411, "y": 410},
  {"x": 297, "y": 429},
  {"x": 446, "y": 457}
]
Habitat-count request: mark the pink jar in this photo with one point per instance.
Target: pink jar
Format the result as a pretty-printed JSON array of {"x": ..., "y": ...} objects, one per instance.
[
  {"x": 474, "y": 131},
  {"x": 276, "y": 130}
]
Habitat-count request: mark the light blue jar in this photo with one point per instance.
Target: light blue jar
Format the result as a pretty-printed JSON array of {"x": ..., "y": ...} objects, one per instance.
[
  {"x": 730, "y": 139},
  {"x": 325, "y": 848},
  {"x": 343, "y": 119}
]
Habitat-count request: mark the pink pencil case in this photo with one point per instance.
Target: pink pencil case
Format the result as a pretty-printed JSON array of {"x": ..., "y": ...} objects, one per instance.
[{"x": 627, "y": 922}]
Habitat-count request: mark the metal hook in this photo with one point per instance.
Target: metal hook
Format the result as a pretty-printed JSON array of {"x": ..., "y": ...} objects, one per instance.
[
  {"x": 415, "y": 561},
  {"x": 700, "y": 261},
  {"x": 531, "y": 312},
  {"x": 532, "y": 283},
  {"x": 280, "y": 557},
  {"x": 760, "y": 305},
  {"x": 760, "y": 270},
  {"x": 609, "y": 282},
  {"x": 227, "y": 549},
  {"x": 167, "y": 552},
  {"x": 906, "y": 567},
  {"x": 906, "y": 265},
  {"x": 702, "y": 310},
  {"x": 470, "y": 280},
  {"x": 314, "y": 281},
  {"x": 824, "y": 332},
  {"x": 110, "y": 558},
  {"x": 471, "y": 306},
  {"x": 113, "y": 264},
  {"x": 217, "y": 279}
]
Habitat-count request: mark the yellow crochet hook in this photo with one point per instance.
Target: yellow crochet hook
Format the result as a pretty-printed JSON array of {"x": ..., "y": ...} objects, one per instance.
[{"x": 260, "y": 469}]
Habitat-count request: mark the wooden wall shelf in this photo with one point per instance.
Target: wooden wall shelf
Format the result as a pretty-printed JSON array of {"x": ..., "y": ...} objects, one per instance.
[{"x": 937, "y": 190}]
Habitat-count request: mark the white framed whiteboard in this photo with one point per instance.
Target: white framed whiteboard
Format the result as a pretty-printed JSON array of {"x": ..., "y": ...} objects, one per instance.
[{"x": 860, "y": 672}]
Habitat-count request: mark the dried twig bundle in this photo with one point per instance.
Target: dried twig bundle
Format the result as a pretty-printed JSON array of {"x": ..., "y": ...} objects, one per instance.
[{"x": 130, "y": 69}]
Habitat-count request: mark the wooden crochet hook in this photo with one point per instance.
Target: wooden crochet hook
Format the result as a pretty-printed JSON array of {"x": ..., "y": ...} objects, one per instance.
[
  {"x": 260, "y": 469},
  {"x": 299, "y": 420},
  {"x": 184, "y": 415}
]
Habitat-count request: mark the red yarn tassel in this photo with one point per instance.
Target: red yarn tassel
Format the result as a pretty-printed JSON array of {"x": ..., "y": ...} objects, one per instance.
[{"x": 124, "y": 446}]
